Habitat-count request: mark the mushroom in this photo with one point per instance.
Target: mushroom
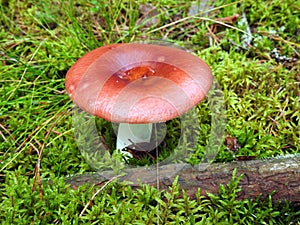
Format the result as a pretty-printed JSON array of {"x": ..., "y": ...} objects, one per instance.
[{"x": 137, "y": 85}]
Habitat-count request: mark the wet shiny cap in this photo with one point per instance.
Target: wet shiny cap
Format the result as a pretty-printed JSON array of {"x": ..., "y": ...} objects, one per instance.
[{"x": 138, "y": 83}]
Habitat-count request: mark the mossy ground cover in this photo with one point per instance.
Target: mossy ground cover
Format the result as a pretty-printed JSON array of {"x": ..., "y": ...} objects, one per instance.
[{"x": 259, "y": 76}]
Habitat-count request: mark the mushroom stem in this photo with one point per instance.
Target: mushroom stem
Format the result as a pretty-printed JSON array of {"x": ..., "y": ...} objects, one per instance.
[{"x": 132, "y": 133}]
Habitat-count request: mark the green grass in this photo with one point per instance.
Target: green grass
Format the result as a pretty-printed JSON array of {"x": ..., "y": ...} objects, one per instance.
[{"x": 40, "y": 40}]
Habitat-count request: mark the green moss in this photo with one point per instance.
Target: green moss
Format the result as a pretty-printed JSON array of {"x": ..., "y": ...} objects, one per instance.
[{"x": 259, "y": 77}]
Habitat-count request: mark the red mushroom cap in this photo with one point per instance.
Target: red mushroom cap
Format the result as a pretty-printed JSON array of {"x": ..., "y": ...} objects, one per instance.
[{"x": 138, "y": 83}]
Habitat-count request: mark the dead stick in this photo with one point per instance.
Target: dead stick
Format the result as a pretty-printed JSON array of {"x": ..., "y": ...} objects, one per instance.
[
  {"x": 279, "y": 174},
  {"x": 94, "y": 196},
  {"x": 37, "y": 176}
]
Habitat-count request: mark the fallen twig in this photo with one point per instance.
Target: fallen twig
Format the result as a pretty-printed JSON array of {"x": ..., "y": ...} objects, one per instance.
[
  {"x": 37, "y": 176},
  {"x": 94, "y": 196},
  {"x": 261, "y": 177}
]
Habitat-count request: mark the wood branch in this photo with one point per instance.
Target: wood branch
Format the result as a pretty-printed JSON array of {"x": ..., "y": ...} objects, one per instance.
[{"x": 281, "y": 175}]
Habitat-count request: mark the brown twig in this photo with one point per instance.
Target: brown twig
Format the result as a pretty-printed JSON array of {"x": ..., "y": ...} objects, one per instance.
[
  {"x": 37, "y": 176},
  {"x": 17, "y": 151},
  {"x": 227, "y": 20},
  {"x": 261, "y": 177},
  {"x": 3, "y": 136},
  {"x": 94, "y": 196},
  {"x": 212, "y": 35},
  {"x": 7, "y": 131},
  {"x": 25, "y": 141}
]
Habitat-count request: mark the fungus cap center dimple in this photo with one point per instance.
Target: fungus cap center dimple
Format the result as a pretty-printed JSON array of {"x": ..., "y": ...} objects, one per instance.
[{"x": 135, "y": 73}]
